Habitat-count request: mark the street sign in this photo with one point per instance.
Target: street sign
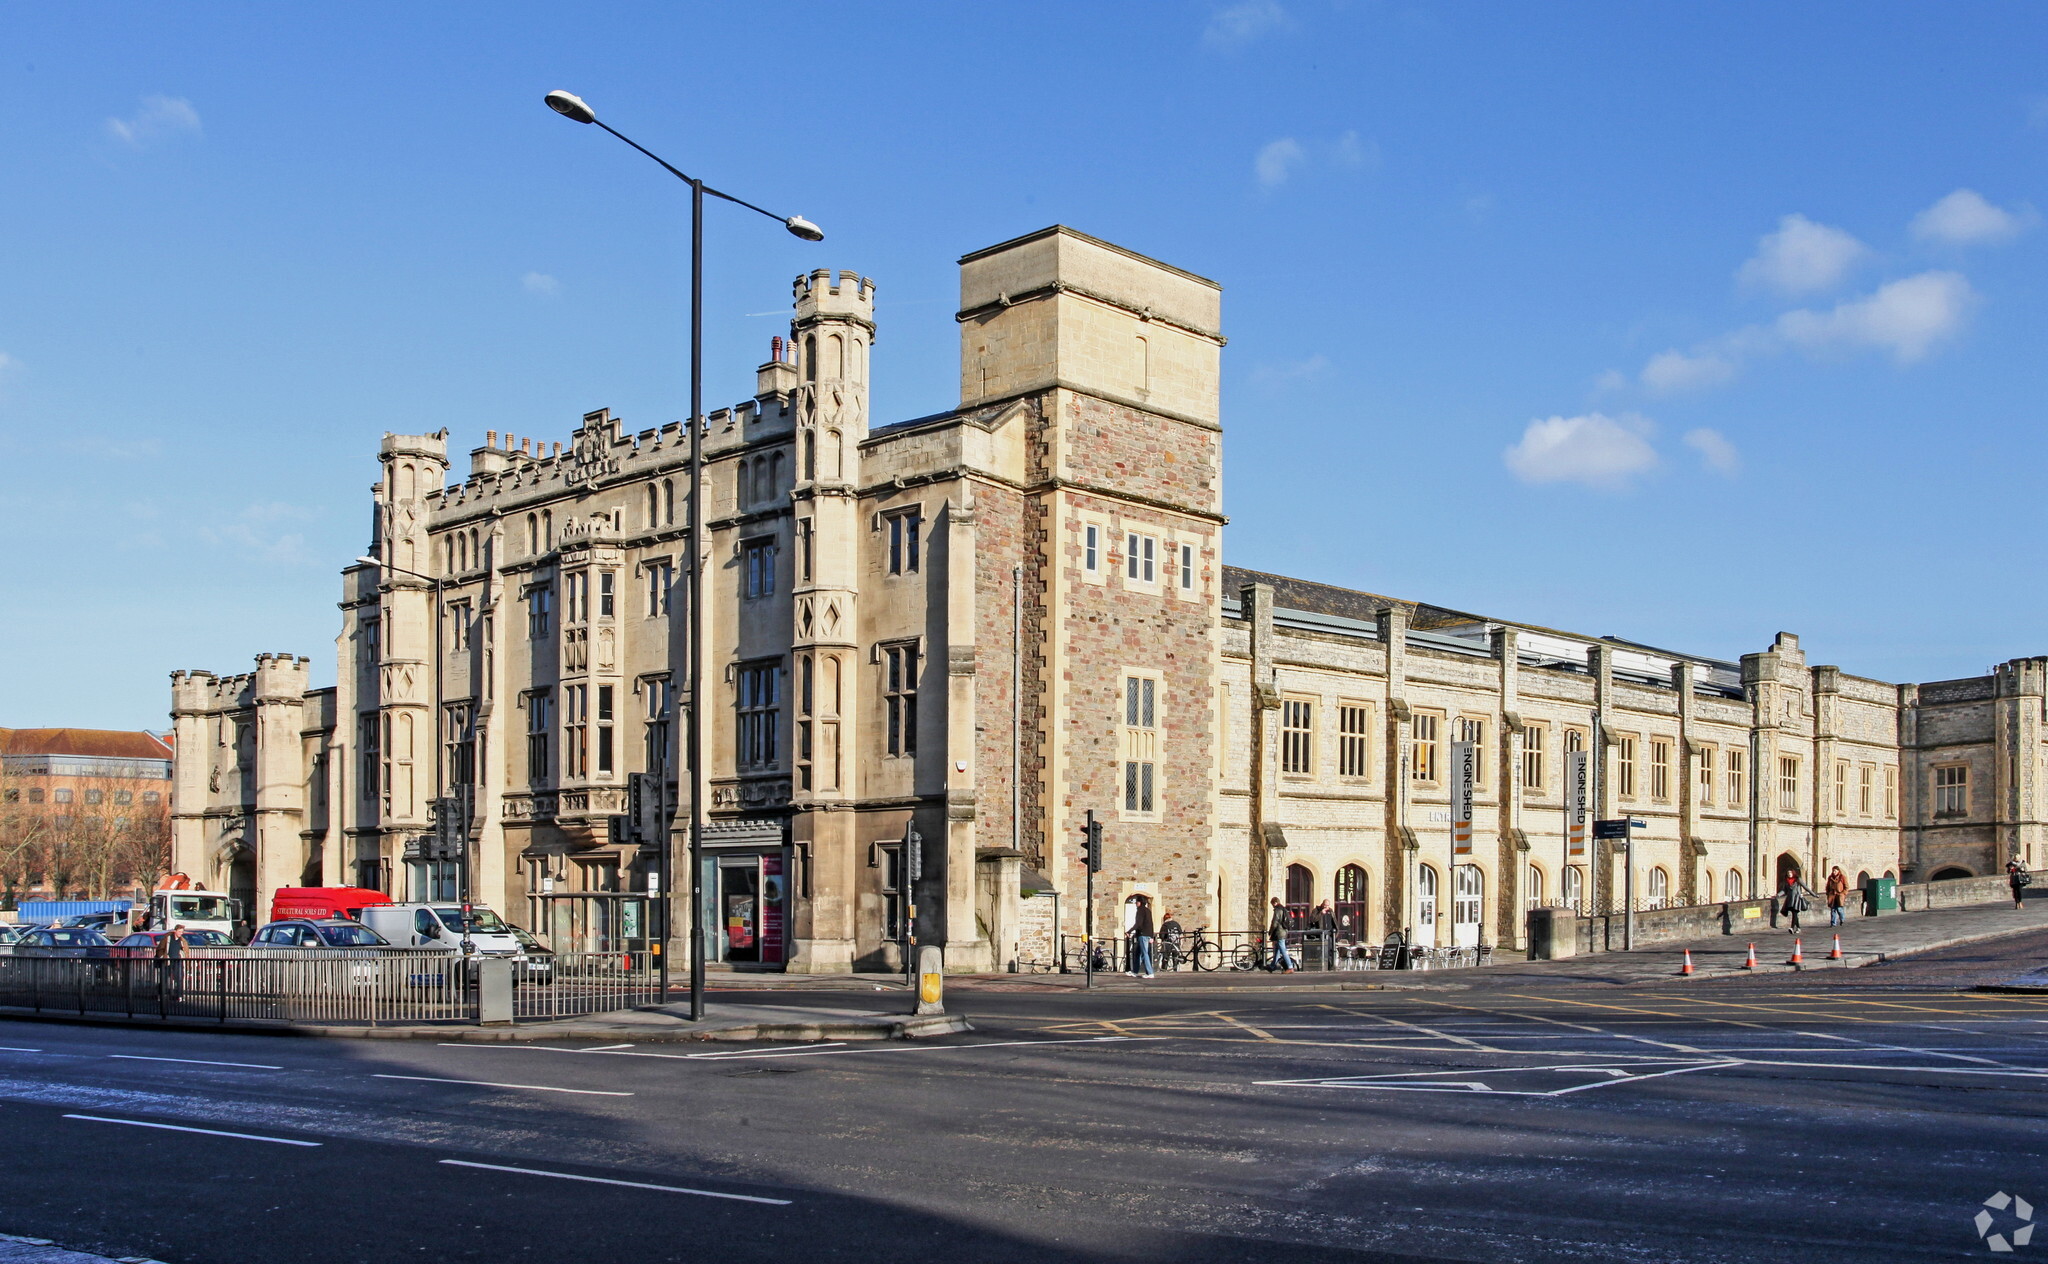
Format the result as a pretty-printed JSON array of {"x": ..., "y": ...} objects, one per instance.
[
  {"x": 1611, "y": 829},
  {"x": 1577, "y": 790},
  {"x": 1464, "y": 781},
  {"x": 1638, "y": 823}
]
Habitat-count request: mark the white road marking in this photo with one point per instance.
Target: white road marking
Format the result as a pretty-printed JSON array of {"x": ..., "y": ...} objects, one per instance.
[
  {"x": 1438, "y": 1082},
  {"x": 210, "y": 1132},
  {"x": 627, "y": 1051},
  {"x": 604, "y": 1180},
  {"x": 253, "y": 1066},
  {"x": 986, "y": 1044},
  {"x": 538, "y": 1088},
  {"x": 13, "y": 1049}
]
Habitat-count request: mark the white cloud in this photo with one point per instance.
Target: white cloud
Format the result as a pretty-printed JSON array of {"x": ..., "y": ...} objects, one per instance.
[
  {"x": 1905, "y": 317},
  {"x": 1802, "y": 257},
  {"x": 540, "y": 283},
  {"x": 1714, "y": 448},
  {"x": 257, "y": 530},
  {"x": 1352, "y": 150},
  {"x": 1670, "y": 371},
  {"x": 159, "y": 117},
  {"x": 116, "y": 449},
  {"x": 1594, "y": 449},
  {"x": 1964, "y": 218},
  {"x": 1278, "y": 160},
  {"x": 1240, "y": 24},
  {"x": 1292, "y": 370}
]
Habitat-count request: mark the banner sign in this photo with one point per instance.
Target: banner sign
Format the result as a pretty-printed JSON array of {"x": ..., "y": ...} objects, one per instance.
[
  {"x": 1577, "y": 790},
  {"x": 1464, "y": 780}
]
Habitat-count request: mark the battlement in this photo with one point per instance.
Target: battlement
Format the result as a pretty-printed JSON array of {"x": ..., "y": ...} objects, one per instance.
[
  {"x": 433, "y": 447},
  {"x": 821, "y": 295}
]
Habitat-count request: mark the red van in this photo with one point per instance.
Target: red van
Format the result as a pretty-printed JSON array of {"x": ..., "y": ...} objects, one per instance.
[{"x": 318, "y": 903}]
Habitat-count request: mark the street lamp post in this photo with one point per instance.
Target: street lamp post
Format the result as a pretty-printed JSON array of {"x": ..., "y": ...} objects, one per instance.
[
  {"x": 434, "y": 727},
  {"x": 573, "y": 108}
]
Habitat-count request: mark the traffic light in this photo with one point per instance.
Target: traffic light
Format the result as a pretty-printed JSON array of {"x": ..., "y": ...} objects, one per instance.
[
  {"x": 1092, "y": 833},
  {"x": 913, "y": 848}
]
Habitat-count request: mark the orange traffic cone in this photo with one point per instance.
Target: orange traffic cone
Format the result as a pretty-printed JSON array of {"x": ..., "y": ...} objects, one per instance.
[
  {"x": 1836, "y": 955},
  {"x": 1798, "y": 958},
  {"x": 1688, "y": 962},
  {"x": 1751, "y": 963}
]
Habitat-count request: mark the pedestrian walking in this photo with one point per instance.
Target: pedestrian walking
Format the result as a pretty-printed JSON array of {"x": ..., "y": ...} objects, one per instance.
[
  {"x": 1838, "y": 894},
  {"x": 172, "y": 947},
  {"x": 1276, "y": 930},
  {"x": 1795, "y": 900},
  {"x": 2017, "y": 877},
  {"x": 1141, "y": 938}
]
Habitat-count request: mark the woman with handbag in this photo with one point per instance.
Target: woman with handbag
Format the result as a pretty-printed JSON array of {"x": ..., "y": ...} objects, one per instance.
[
  {"x": 2017, "y": 877},
  {"x": 1797, "y": 898}
]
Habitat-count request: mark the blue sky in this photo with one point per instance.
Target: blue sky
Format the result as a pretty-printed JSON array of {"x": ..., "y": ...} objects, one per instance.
[{"x": 1680, "y": 323}]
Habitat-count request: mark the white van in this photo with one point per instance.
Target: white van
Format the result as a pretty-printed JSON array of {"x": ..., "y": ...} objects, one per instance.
[{"x": 439, "y": 926}]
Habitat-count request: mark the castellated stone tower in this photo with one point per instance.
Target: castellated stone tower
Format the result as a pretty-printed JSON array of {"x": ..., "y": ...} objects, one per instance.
[
  {"x": 832, "y": 332},
  {"x": 390, "y": 661},
  {"x": 241, "y": 796}
]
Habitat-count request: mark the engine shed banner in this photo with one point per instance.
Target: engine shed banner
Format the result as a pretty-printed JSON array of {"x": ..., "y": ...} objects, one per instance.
[
  {"x": 1577, "y": 787},
  {"x": 1464, "y": 782}
]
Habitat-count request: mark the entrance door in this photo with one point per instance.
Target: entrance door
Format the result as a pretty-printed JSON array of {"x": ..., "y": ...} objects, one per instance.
[
  {"x": 1466, "y": 904},
  {"x": 739, "y": 908},
  {"x": 1425, "y": 907}
]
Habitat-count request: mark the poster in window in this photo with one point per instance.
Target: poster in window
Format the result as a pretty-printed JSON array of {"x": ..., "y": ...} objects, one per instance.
[{"x": 771, "y": 908}]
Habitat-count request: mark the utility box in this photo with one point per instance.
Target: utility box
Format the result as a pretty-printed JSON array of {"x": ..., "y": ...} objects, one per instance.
[
  {"x": 494, "y": 992},
  {"x": 1881, "y": 896}
]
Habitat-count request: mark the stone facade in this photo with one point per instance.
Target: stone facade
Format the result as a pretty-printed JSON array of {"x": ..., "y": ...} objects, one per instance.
[{"x": 983, "y": 624}]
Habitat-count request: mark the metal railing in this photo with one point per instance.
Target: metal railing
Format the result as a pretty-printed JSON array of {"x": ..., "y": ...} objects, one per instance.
[
  {"x": 572, "y": 983},
  {"x": 336, "y": 986},
  {"x": 1207, "y": 950}
]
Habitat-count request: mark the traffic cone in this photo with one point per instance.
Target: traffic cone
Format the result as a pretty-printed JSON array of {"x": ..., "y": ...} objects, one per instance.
[
  {"x": 1751, "y": 963},
  {"x": 1836, "y": 955},
  {"x": 1798, "y": 958},
  {"x": 1688, "y": 962}
]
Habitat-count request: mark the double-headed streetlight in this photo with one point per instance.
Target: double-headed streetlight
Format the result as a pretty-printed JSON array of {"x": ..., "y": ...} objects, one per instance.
[{"x": 573, "y": 108}]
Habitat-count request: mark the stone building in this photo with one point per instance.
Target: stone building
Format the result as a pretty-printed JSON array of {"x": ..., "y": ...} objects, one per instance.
[{"x": 981, "y": 625}]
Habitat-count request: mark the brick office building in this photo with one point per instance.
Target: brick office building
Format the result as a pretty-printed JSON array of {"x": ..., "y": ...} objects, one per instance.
[
  {"x": 82, "y": 811},
  {"x": 982, "y": 624}
]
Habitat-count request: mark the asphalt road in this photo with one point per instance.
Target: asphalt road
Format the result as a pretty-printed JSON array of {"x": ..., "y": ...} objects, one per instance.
[{"x": 1831, "y": 1117}]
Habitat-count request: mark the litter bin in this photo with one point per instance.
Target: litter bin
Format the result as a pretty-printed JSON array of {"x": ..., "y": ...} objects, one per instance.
[{"x": 1881, "y": 896}]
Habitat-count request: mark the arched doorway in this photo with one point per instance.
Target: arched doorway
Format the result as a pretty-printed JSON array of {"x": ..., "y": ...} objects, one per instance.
[
  {"x": 1574, "y": 888},
  {"x": 1660, "y": 888},
  {"x": 1536, "y": 891},
  {"x": 1468, "y": 902},
  {"x": 1353, "y": 892},
  {"x": 1425, "y": 907},
  {"x": 1301, "y": 894},
  {"x": 1788, "y": 864},
  {"x": 1950, "y": 874},
  {"x": 1734, "y": 888}
]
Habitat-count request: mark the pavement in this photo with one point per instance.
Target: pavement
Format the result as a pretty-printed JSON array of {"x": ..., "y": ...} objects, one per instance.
[
  {"x": 1865, "y": 941},
  {"x": 722, "y": 1021},
  {"x": 1832, "y": 1116}
]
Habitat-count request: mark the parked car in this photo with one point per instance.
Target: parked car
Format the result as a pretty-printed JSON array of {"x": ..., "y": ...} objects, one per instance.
[
  {"x": 63, "y": 941},
  {"x": 143, "y": 942},
  {"x": 11, "y": 933},
  {"x": 105, "y": 923},
  {"x": 537, "y": 958},
  {"x": 327, "y": 932}
]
